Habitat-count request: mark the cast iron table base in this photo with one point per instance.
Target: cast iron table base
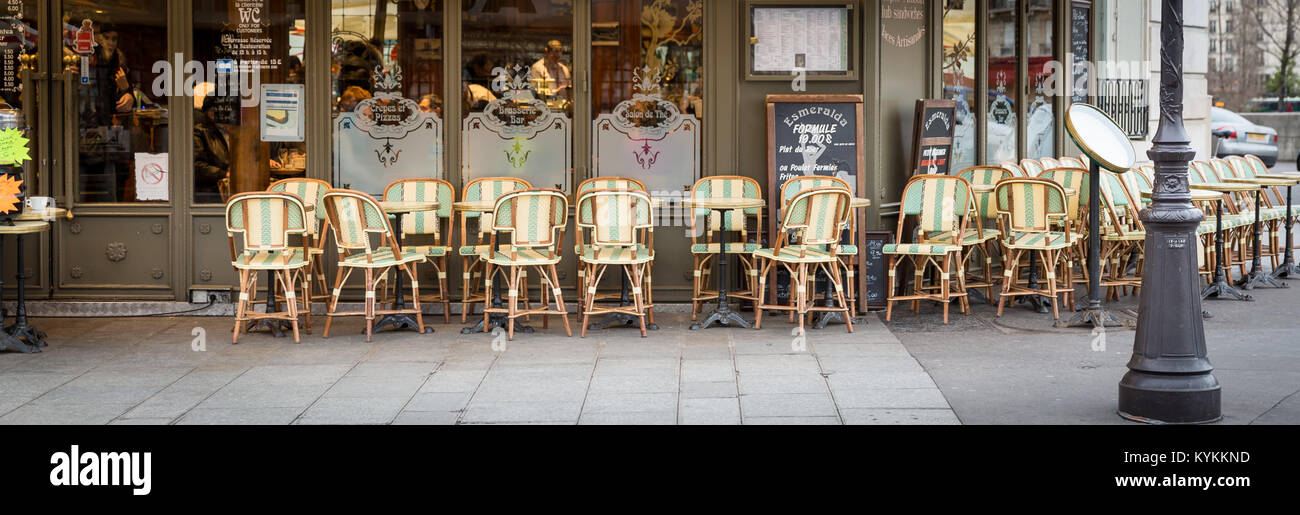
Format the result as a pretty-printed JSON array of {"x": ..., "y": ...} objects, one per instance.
[
  {"x": 276, "y": 327},
  {"x": 622, "y": 319},
  {"x": 1257, "y": 276},
  {"x": 1288, "y": 267},
  {"x": 723, "y": 313},
  {"x": 20, "y": 336},
  {"x": 1221, "y": 288}
]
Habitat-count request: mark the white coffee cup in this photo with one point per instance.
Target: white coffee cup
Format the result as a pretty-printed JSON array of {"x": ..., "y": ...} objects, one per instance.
[{"x": 39, "y": 203}]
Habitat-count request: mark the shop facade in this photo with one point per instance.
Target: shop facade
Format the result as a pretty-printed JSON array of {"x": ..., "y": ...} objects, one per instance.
[{"x": 145, "y": 115}]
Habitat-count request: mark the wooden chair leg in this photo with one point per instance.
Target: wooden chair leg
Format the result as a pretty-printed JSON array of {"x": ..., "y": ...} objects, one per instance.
[
  {"x": 487, "y": 294},
  {"x": 242, "y": 305},
  {"x": 370, "y": 303},
  {"x": 291, "y": 303},
  {"x": 889, "y": 294},
  {"x": 333, "y": 305},
  {"x": 944, "y": 283},
  {"x": 559, "y": 301},
  {"x": 762, "y": 292}
]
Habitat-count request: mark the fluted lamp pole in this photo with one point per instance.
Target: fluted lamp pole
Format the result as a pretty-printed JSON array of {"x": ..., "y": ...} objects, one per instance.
[{"x": 1170, "y": 378}]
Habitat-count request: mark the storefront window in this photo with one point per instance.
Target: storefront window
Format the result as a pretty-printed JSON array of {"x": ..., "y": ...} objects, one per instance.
[
  {"x": 959, "y": 76},
  {"x": 18, "y": 52},
  {"x": 121, "y": 123},
  {"x": 244, "y": 46},
  {"x": 1040, "y": 111},
  {"x": 647, "y": 90},
  {"x": 1001, "y": 41},
  {"x": 388, "y": 92},
  {"x": 517, "y": 90}
]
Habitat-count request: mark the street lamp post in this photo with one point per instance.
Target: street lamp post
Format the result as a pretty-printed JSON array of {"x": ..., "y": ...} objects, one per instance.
[{"x": 1170, "y": 378}]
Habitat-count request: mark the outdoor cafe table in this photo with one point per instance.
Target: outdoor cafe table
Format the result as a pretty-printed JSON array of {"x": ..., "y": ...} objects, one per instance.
[
  {"x": 1256, "y": 274},
  {"x": 723, "y": 313},
  {"x": 1220, "y": 288},
  {"x": 21, "y": 336},
  {"x": 398, "y": 209},
  {"x": 1268, "y": 182},
  {"x": 1288, "y": 267}
]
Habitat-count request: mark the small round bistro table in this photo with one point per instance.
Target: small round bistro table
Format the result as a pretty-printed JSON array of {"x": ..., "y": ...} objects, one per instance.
[
  {"x": 1220, "y": 288},
  {"x": 1288, "y": 268},
  {"x": 403, "y": 320},
  {"x": 20, "y": 336},
  {"x": 723, "y": 313},
  {"x": 1257, "y": 276}
]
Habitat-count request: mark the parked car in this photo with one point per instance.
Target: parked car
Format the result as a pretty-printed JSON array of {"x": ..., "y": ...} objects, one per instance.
[{"x": 1240, "y": 136}]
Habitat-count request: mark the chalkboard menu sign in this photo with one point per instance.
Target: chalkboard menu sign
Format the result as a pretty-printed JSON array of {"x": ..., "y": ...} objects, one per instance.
[
  {"x": 932, "y": 136},
  {"x": 1080, "y": 38},
  {"x": 875, "y": 271},
  {"x": 814, "y": 135}
]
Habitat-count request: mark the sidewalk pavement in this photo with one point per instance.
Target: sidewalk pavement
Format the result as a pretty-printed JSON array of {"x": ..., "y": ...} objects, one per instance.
[{"x": 144, "y": 371}]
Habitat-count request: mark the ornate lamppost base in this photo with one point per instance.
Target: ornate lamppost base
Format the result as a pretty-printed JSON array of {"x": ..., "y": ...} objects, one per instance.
[{"x": 1169, "y": 398}]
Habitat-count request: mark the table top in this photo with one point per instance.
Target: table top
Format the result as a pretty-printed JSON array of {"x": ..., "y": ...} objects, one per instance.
[
  {"x": 1197, "y": 195},
  {"x": 1284, "y": 176},
  {"x": 1263, "y": 182},
  {"x": 1226, "y": 186},
  {"x": 396, "y": 206},
  {"x": 859, "y": 202},
  {"x": 724, "y": 202},
  {"x": 481, "y": 206},
  {"x": 24, "y": 227},
  {"x": 51, "y": 214}
]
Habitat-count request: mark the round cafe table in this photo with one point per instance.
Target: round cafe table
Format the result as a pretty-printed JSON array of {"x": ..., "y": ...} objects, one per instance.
[
  {"x": 1219, "y": 288},
  {"x": 1288, "y": 267},
  {"x": 1257, "y": 276},
  {"x": 20, "y": 336},
  {"x": 723, "y": 313},
  {"x": 403, "y": 320}
]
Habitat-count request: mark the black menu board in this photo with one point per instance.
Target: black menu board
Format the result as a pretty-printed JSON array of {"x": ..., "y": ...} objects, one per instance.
[
  {"x": 814, "y": 135},
  {"x": 1080, "y": 38},
  {"x": 932, "y": 136}
]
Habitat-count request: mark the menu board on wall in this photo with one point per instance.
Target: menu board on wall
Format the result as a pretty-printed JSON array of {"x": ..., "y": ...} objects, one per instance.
[
  {"x": 1080, "y": 38},
  {"x": 814, "y": 135},
  {"x": 815, "y": 39},
  {"x": 15, "y": 35},
  {"x": 932, "y": 136}
]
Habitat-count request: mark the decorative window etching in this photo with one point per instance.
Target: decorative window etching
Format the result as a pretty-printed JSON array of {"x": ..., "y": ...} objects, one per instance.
[
  {"x": 386, "y": 138},
  {"x": 518, "y": 134},
  {"x": 648, "y": 138}
]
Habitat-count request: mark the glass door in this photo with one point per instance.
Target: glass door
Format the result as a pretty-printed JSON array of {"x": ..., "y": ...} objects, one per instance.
[{"x": 117, "y": 163}]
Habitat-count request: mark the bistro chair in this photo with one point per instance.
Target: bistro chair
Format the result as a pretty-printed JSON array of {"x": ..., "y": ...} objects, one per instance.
[
  {"x": 311, "y": 191},
  {"x": 985, "y": 215},
  {"x": 1028, "y": 210},
  {"x": 940, "y": 204},
  {"x": 486, "y": 189},
  {"x": 1032, "y": 167},
  {"x": 265, "y": 220},
  {"x": 620, "y": 222},
  {"x": 1014, "y": 168},
  {"x": 1074, "y": 180},
  {"x": 356, "y": 216},
  {"x": 736, "y": 220},
  {"x": 535, "y": 219},
  {"x": 812, "y": 228},
  {"x": 1049, "y": 163},
  {"x": 847, "y": 252},
  {"x": 429, "y": 223},
  {"x": 1073, "y": 162},
  {"x": 1123, "y": 238},
  {"x": 610, "y": 183}
]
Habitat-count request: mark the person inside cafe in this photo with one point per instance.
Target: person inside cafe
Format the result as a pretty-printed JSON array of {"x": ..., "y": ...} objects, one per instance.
[
  {"x": 556, "y": 85},
  {"x": 211, "y": 150}
]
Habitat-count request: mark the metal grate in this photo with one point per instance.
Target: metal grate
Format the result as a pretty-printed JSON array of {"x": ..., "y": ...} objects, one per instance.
[{"x": 1125, "y": 100}]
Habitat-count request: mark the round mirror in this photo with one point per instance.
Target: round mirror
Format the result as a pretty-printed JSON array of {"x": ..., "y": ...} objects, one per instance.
[{"x": 1099, "y": 137}]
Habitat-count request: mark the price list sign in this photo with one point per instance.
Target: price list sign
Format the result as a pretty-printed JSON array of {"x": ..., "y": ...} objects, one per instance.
[{"x": 14, "y": 37}]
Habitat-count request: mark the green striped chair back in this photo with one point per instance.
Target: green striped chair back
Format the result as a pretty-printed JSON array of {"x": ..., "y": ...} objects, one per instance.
[
  {"x": 985, "y": 176},
  {"x": 1222, "y": 169},
  {"x": 1074, "y": 179},
  {"x": 940, "y": 201},
  {"x": 355, "y": 216},
  {"x": 1014, "y": 168},
  {"x": 1241, "y": 166},
  {"x": 1030, "y": 204},
  {"x": 615, "y": 216},
  {"x": 1257, "y": 164},
  {"x": 532, "y": 216},
  {"x": 1032, "y": 167},
  {"x": 265, "y": 219},
  {"x": 726, "y": 186},
  {"x": 1049, "y": 163},
  {"x": 1073, "y": 162},
  {"x": 422, "y": 189},
  {"x": 1199, "y": 172},
  {"x": 610, "y": 183},
  {"x": 819, "y": 215},
  {"x": 311, "y": 191},
  {"x": 796, "y": 185}
]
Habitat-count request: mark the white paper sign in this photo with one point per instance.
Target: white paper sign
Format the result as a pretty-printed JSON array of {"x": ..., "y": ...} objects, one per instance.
[
  {"x": 151, "y": 176},
  {"x": 282, "y": 112}
]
